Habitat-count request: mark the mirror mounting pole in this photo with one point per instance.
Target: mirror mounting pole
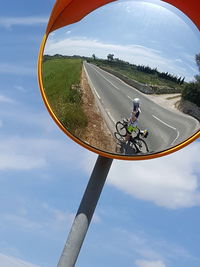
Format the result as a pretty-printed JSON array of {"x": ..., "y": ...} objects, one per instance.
[{"x": 85, "y": 212}]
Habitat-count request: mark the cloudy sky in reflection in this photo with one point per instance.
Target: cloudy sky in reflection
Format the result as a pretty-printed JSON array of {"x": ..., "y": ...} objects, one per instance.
[{"x": 143, "y": 33}]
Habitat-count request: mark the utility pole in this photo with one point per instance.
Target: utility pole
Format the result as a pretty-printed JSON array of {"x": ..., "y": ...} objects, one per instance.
[{"x": 85, "y": 212}]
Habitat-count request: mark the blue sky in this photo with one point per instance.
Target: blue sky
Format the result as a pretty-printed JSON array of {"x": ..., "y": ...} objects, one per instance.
[{"x": 148, "y": 214}]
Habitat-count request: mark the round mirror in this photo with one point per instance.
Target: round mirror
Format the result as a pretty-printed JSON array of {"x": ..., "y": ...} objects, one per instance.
[{"x": 125, "y": 80}]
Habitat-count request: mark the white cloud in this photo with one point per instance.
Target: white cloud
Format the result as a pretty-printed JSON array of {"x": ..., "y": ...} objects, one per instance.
[
  {"x": 171, "y": 181},
  {"x": 8, "y": 22},
  {"x": 136, "y": 54},
  {"x": 96, "y": 218},
  {"x": 178, "y": 60},
  {"x": 15, "y": 161},
  {"x": 37, "y": 120},
  {"x": 35, "y": 217},
  {"x": 20, "y": 88},
  {"x": 88, "y": 162},
  {"x": 144, "y": 263},
  {"x": 83, "y": 46},
  {"x": 16, "y": 69},
  {"x": 28, "y": 153},
  {"x": 57, "y": 218},
  {"x": 146, "y": 250},
  {"x": 5, "y": 99},
  {"x": 21, "y": 221},
  {"x": 8, "y": 261},
  {"x": 60, "y": 219},
  {"x": 31, "y": 153}
]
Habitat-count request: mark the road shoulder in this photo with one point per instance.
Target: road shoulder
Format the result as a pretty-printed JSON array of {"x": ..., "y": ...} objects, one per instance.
[{"x": 96, "y": 133}]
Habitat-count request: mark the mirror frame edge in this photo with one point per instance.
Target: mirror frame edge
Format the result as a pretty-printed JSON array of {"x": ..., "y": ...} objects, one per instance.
[{"x": 82, "y": 143}]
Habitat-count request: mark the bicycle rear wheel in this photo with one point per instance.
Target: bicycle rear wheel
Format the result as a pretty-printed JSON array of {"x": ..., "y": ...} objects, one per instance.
[
  {"x": 121, "y": 129},
  {"x": 141, "y": 146},
  {"x": 119, "y": 137}
]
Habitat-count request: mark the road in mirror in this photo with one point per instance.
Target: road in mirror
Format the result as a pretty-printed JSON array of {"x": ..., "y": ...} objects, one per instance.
[{"x": 126, "y": 78}]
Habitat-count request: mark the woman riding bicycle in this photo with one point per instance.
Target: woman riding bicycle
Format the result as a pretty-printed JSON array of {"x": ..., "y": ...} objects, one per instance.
[{"x": 133, "y": 120}]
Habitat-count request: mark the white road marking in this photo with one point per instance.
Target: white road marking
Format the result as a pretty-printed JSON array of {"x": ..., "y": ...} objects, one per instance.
[
  {"x": 91, "y": 84},
  {"x": 111, "y": 117},
  {"x": 105, "y": 78},
  {"x": 176, "y": 137},
  {"x": 169, "y": 127},
  {"x": 126, "y": 84},
  {"x": 164, "y": 122},
  {"x": 96, "y": 93}
]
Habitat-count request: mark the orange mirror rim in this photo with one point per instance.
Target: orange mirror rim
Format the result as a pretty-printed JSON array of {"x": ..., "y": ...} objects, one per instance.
[
  {"x": 93, "y": 149},
  {"x": 66, "y": 12}
]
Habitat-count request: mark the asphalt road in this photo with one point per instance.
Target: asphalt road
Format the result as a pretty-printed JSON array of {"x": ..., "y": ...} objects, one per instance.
[{"x": 166, "y": 128}]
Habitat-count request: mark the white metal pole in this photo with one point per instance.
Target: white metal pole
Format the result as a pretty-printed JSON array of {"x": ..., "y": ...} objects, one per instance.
[{"x": 85, "y": 212}]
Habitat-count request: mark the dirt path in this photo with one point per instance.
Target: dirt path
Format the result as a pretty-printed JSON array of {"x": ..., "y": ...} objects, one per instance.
[
  {"x": 168, "y": 101},
  {"x": 97, "y": 133}
]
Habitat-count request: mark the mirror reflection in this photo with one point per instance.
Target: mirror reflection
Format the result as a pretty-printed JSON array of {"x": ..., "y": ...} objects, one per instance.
[{"x": 126, "y": 78}]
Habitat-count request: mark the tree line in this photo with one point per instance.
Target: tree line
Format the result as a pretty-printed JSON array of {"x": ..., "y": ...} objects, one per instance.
[
  {"x": 142, "y": 68},
  {"x": 191, "y": 91},
  {"x": 164, "y": 75}
]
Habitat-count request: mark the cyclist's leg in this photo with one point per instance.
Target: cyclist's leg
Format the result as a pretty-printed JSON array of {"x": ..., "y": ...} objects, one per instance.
[{"x": 127, "y": 137}]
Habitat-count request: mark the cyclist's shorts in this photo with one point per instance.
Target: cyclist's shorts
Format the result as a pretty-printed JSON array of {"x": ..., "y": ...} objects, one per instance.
[{"x": 131, "y": 128}]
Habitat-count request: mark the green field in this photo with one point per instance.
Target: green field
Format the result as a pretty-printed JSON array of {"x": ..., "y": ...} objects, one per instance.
[
  {"x": 131, "y": 72},
  {"x": 61, "y": 80}
]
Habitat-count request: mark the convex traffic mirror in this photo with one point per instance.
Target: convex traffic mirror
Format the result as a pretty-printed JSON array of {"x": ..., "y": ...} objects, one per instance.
[{"x": 125, "y": 80}]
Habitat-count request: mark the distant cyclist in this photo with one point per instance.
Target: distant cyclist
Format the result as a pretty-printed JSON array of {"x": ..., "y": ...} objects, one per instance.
[{"x": 133, "y": 120}]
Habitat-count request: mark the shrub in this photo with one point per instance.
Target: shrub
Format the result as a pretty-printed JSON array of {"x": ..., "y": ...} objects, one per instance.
[{"x": 191, "y": 92}]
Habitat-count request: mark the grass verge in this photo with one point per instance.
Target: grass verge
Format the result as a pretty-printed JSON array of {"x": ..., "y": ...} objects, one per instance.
[{"x": 61, "y": 80}]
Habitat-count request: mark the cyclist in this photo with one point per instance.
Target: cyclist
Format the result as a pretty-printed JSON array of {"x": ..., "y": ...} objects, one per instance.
[{"x": 133, "y": 120}]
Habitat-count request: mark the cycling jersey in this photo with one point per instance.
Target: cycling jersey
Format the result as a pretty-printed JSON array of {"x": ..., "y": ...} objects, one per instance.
[
  {"x": 134, "y": 114},
  {"x": 132, "y": 126}
]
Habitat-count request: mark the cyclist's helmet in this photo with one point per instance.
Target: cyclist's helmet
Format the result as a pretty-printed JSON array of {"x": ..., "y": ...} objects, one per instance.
[{"x": 136, "y": 103}]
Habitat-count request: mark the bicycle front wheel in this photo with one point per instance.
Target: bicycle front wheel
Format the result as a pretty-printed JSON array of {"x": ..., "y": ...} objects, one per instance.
[
  {"x": 141, "y": 146},
  {"x": 121, "y": 129}
]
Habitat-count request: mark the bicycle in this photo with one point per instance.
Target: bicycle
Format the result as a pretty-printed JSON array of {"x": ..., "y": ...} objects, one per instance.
[
  {"x": 135, "y": 143},
  {"x": 121, "y": 127}
]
